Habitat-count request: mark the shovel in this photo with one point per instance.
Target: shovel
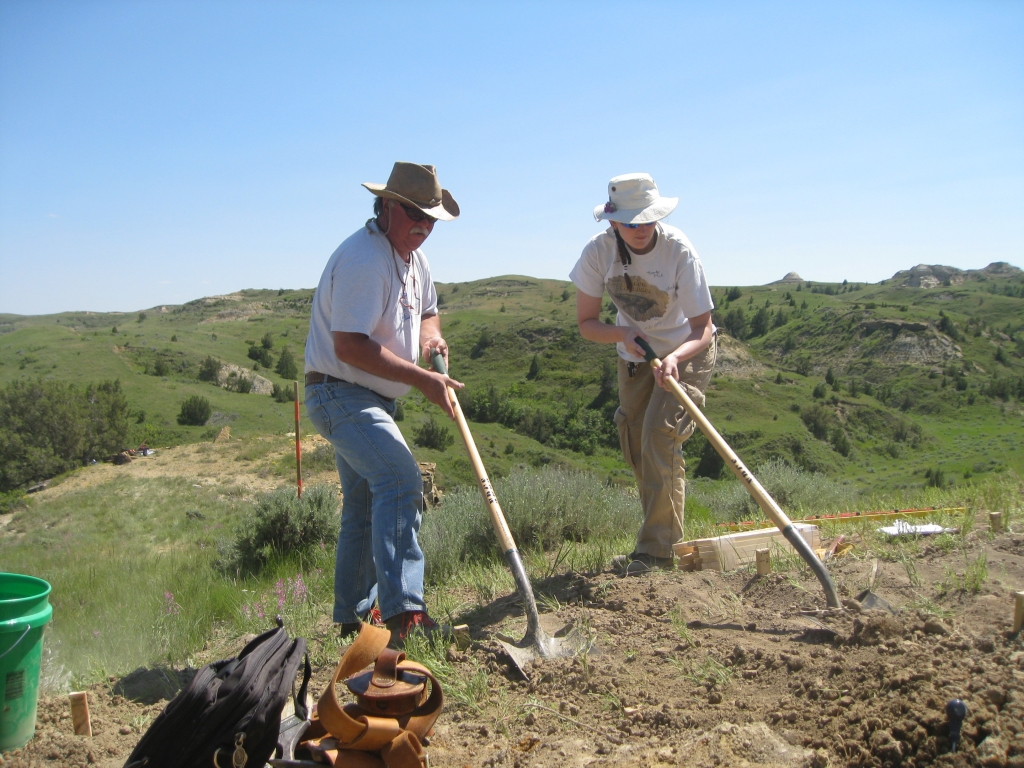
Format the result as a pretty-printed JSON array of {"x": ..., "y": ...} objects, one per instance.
[
  {"x": 754, "y": 488},
  {"x": 537, "y": 644}
]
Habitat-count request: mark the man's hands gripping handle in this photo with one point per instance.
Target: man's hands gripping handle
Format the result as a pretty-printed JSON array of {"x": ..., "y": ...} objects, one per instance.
[{"x": 437, "y": 360}]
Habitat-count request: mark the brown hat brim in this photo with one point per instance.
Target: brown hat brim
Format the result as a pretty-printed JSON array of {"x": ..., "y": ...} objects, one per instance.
[{"x": 447, "y": 210}]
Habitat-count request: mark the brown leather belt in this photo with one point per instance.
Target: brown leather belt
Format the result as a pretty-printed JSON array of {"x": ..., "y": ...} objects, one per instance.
[{"x": 315, "y": 377}]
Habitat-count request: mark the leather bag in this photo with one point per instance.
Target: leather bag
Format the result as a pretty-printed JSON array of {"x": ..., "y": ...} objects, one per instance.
[{"x": 396, "y": 704}]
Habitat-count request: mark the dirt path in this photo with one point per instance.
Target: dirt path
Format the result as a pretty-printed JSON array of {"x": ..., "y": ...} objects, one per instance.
[{"x": 709, "y": 669}]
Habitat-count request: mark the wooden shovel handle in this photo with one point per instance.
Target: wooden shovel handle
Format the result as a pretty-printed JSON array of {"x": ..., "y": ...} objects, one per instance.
[
  {"x": 754, "y": 488},
  {"x": 501, "y": 528}
]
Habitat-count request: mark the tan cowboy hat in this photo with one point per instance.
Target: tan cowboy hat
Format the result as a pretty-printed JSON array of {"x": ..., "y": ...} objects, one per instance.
[
  {"x": 418, "y": 185},
  {"x": 633, "y": 198}
]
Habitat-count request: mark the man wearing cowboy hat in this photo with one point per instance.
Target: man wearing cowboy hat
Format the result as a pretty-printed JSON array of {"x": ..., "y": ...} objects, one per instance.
[
  {"x": 374, "y": 312},
  {"x": 655, "y": 278}
]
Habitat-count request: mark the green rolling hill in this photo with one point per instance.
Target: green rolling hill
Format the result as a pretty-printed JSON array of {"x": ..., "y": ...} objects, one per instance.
[{"x": 881, "y": 385}]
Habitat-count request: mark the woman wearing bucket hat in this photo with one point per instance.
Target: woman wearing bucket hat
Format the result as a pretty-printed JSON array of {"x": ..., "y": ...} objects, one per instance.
[{"x": 656, "y": 281}]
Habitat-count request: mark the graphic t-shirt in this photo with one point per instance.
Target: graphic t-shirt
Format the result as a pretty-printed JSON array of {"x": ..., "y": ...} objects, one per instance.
[
  {"x": 367, "y": 288},
  {"x": 668, "y": 286}
]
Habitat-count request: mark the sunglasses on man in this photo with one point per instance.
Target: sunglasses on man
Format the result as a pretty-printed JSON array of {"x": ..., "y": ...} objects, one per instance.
[{"x": 415, "y": 214}]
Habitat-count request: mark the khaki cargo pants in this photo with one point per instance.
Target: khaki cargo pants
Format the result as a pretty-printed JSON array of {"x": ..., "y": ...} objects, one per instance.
[{"x": 652, "y": 429}]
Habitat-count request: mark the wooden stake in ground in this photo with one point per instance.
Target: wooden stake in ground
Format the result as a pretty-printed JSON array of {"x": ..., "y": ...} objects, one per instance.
[
  {"x": 995, "y": 521},
  {"x": 764, "y": 562},
  {"x": 298, "y": 443},
  {"x": 1018, "y": 611},
  {"x": 80, "y": 713}
]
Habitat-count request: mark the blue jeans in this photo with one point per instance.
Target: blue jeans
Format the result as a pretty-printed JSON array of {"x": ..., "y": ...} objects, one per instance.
[{"x": 382, "y": 506}]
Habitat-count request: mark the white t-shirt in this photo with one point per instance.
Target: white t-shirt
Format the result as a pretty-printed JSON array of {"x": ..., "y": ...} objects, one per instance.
[
  {"x": 668, "y": 286},
  {"x": 362, "y": 291}
]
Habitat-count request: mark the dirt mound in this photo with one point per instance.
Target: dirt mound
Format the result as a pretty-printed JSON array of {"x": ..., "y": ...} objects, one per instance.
[{"x": 734, "y": 359}]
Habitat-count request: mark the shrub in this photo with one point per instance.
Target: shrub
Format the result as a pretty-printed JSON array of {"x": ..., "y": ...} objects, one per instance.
[
  {"x": 819, "y": 391},
  {"x": 195, "y": 411},
  {"x": 735, "y": 323},
  {"x": 544, "y": 509},
  {"x": 161, "y": 368},
  {"x": 261, "y": 355},
  {"x": 840, "y": 442},
  {"x": 267, "y": 342},
  {"x": 794, "y": 489},
  {"x": 320, "y": 458},
  {"x": 209, "y": 370},
  {"x": 760, "y": 322},
  {"x": 431, "y": 434},
  {"x": 283, "y": 394},
  {"x": 399, "y": 410},
  {"x": 817, "y": 418},
  {"x": 534, "y": 368},
  {"x": 482, "y": 343},
  {"x": 241, "y": 384},
  {"x": 280, "y": 523},
  {"x": 286, "y": 367}
]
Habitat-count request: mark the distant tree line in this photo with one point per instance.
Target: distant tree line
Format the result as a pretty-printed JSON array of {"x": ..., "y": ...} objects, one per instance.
[{"x": 48, "y": 427}]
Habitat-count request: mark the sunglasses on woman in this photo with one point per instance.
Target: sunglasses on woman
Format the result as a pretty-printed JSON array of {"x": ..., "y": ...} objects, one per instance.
[
  {"x": 415, "y": 214},
  {"x": 636, "y": 226}
]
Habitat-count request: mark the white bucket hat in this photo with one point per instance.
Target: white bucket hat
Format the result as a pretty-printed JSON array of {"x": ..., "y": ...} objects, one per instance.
[{"x": 633, "y": 198}]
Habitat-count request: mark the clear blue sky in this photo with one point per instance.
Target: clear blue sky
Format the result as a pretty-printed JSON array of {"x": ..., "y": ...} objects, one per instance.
[{"x": 156, "y": 152}]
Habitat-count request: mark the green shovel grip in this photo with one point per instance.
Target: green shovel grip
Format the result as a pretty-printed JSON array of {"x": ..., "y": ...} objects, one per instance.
[
  {"x": 648, "y": 352},
  {"x": 438, "y": 361}
]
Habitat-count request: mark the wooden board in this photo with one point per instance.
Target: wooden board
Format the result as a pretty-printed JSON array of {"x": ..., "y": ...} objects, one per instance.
[{"x": 726, "y": 553}]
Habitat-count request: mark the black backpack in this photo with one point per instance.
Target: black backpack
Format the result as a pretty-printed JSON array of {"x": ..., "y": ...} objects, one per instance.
[{"x": 230, "y": 714}]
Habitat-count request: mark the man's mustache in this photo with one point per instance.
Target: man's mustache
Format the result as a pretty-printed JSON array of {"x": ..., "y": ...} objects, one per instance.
[{"x": 419, "y": 231}]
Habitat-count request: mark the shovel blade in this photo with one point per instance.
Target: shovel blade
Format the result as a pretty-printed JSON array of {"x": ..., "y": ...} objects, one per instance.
[
  {"x": 569, "y": 642},
  {"x": 871, "y": 601}
]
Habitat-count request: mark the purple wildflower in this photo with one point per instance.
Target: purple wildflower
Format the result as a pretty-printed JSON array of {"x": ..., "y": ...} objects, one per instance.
[{"x": 170, "y": 607}]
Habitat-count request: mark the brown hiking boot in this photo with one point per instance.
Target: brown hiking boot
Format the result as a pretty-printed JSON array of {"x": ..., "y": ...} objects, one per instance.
[
  {"x": 643, "y": 563},
  {"x": 405, "y": 624}
]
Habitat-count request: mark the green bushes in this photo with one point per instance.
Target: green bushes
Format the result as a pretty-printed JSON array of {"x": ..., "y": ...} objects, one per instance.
[
  {"x": 563, "y": 425},
  {"x": 280, "y": 523},
  {"x": 209, "y": 370},
  {"x": 48, "y": 427},
  {"x": 817, "y": 418},
  {"x": 544, "y": 509},
  {"x": 195, "y": 411},
  {"x": 261, "y": 355},
  {"x": 285, "y": 394},
  {"x": 240, "y": 384},
  {"x": 286, "y": 367},
  {"x": 431, "y": 434},
  {"x": 794, "y": 489}
]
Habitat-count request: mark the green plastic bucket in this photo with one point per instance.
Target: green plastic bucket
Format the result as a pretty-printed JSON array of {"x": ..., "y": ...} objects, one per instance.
[{"x": 24, "y": 609}]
